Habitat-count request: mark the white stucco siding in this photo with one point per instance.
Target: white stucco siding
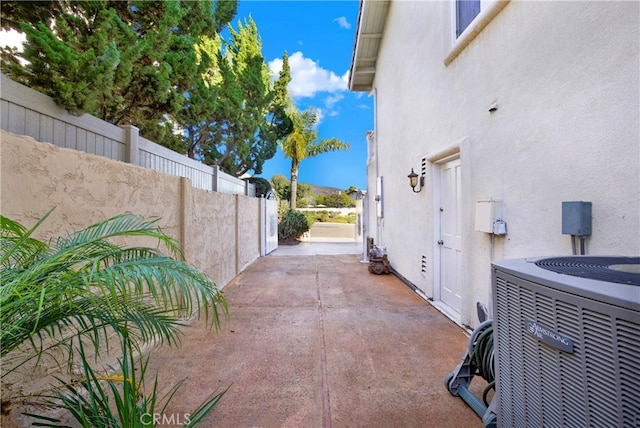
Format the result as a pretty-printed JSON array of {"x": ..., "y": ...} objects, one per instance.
[
  {"x": 566, "y": 81},
  {"x": 567, "y": 123},
  {"x": 403, "y": 121}
]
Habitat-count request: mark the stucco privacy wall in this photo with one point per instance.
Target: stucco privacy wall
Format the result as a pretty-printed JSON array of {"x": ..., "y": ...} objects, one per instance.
[
  {"x": 218, "y": 232},
  {"x": 565, "y": 79},
  {"x": 247, "y": 235},
  {"x": 87, "y": 188}
]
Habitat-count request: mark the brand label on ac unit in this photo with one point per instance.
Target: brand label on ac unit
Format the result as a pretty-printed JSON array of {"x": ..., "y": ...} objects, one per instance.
[{"x": 547, "y": 335}]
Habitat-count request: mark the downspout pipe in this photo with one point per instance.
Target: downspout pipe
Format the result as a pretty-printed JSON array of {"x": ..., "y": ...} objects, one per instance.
[{"x": 375, "y": 128}]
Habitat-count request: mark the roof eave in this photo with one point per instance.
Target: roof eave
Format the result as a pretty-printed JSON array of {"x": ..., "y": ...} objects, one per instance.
[{"x": 372, "y": 15}]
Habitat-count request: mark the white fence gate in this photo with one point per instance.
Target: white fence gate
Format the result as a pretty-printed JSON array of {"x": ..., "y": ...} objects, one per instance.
[{"x": 268, "y": 226}]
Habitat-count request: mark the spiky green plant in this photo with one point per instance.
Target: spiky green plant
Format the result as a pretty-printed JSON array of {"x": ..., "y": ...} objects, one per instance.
[
  {"x": 120, "y": 399},
  {"x": 84, "y": 287}
]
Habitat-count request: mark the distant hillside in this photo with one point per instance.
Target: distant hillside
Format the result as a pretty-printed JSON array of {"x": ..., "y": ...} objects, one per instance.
[{"x": 324, "y": 190}]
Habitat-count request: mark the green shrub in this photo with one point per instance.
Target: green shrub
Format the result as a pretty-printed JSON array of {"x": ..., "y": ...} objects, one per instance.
[
  {"x": 339, "y": 200},
  {"x": 325, "y": 216},
  {"x": 292, "y": 225},
  {"x": 311, "y": 217}
]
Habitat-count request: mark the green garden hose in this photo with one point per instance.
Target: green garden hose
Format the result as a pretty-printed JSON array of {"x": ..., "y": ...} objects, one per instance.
[
  {"x": 481, "y": 356},
  {"x": 477, "y": 361}
]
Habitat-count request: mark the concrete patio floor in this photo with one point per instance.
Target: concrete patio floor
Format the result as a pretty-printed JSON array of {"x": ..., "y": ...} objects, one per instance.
[{"x": 318, "y": 341}]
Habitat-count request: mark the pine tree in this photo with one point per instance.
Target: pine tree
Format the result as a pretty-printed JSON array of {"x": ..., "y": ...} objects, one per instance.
[
  {"x": 281, "y": 122},
  {"x": 125, "y": 62},
  {"x": 245, "y": 115}
]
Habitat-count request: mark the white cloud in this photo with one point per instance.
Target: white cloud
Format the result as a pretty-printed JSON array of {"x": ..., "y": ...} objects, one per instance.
[
  {"x": 342, "y": 22},
  {"x": 331, "y": 100},
  {"x": 308, "y": 78}
]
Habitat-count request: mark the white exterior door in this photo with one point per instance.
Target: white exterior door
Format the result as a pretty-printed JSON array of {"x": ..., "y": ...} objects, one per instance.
[{"x": 450, "y": 242}]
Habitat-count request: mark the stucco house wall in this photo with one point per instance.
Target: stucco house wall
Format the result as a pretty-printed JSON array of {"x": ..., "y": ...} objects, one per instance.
[{"x": 565, "y": 80}]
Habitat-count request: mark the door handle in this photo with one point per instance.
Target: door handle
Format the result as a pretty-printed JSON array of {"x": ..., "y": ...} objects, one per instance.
[{"x": 440, "y": 242}]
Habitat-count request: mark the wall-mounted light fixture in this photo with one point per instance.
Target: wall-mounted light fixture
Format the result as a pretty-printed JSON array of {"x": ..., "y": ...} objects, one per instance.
[{"x": 413, "y": 181}]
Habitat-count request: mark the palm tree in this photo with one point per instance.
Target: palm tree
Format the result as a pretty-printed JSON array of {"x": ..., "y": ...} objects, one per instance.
[
  {"x": 83, "y": 287},
  {"x": 302, "y": 143}
]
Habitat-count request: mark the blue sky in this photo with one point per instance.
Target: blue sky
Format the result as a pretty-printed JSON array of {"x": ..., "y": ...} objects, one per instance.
[{"x": 318, "y": 37}]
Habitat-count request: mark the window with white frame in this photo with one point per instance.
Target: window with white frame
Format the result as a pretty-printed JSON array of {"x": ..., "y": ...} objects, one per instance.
[
  {"x": 468, "y": 18},
  {"x": 466, "y": 11}
]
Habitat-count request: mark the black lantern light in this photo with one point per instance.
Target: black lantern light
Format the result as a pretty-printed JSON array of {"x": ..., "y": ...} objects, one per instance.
[{"x": 413, "y": 181}]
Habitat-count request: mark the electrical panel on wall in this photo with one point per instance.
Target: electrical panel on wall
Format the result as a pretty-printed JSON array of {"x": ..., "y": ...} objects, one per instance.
[
  {"x": 379, "y": 197},
  {"x": 576, "y": 218},
  {"x": 489, "y": 217}
]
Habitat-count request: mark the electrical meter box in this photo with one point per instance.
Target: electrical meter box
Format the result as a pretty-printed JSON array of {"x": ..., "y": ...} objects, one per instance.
[{"x": 576, "y": 218}]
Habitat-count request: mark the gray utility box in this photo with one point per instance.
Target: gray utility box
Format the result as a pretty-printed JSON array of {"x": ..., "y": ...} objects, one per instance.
[{"x": 576, "y": 218}]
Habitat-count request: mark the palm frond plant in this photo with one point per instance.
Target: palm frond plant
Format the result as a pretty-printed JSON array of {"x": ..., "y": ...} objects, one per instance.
[
  {"x": 84, "y": 288},
  {"x": 302, "y": 143}
]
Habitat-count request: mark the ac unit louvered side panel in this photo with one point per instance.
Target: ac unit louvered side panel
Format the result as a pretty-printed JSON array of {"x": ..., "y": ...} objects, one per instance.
[
  {"x": 600, "y": 366},
  {"x": 532, "y": 375},
  {"x": 549, "y": 412},
  {"x": 596, "y": 385},
  {"x": 503, "y": 333},
  {"x": 628, "y": 335},
  {"x": 571, "y": 375}
]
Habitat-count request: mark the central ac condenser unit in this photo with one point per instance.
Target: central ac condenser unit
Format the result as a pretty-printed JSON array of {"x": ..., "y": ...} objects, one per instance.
[{"x": 567, "y": 342}]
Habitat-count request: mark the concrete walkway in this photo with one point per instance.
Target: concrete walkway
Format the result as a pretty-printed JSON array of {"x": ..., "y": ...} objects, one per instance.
[
  {"x": 318, "y": 341},
  {"x": 318, "y": 248}
]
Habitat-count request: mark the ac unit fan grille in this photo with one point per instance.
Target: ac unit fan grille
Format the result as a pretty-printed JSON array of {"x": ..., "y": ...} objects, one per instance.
[{"x": 594, "y": 268}]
